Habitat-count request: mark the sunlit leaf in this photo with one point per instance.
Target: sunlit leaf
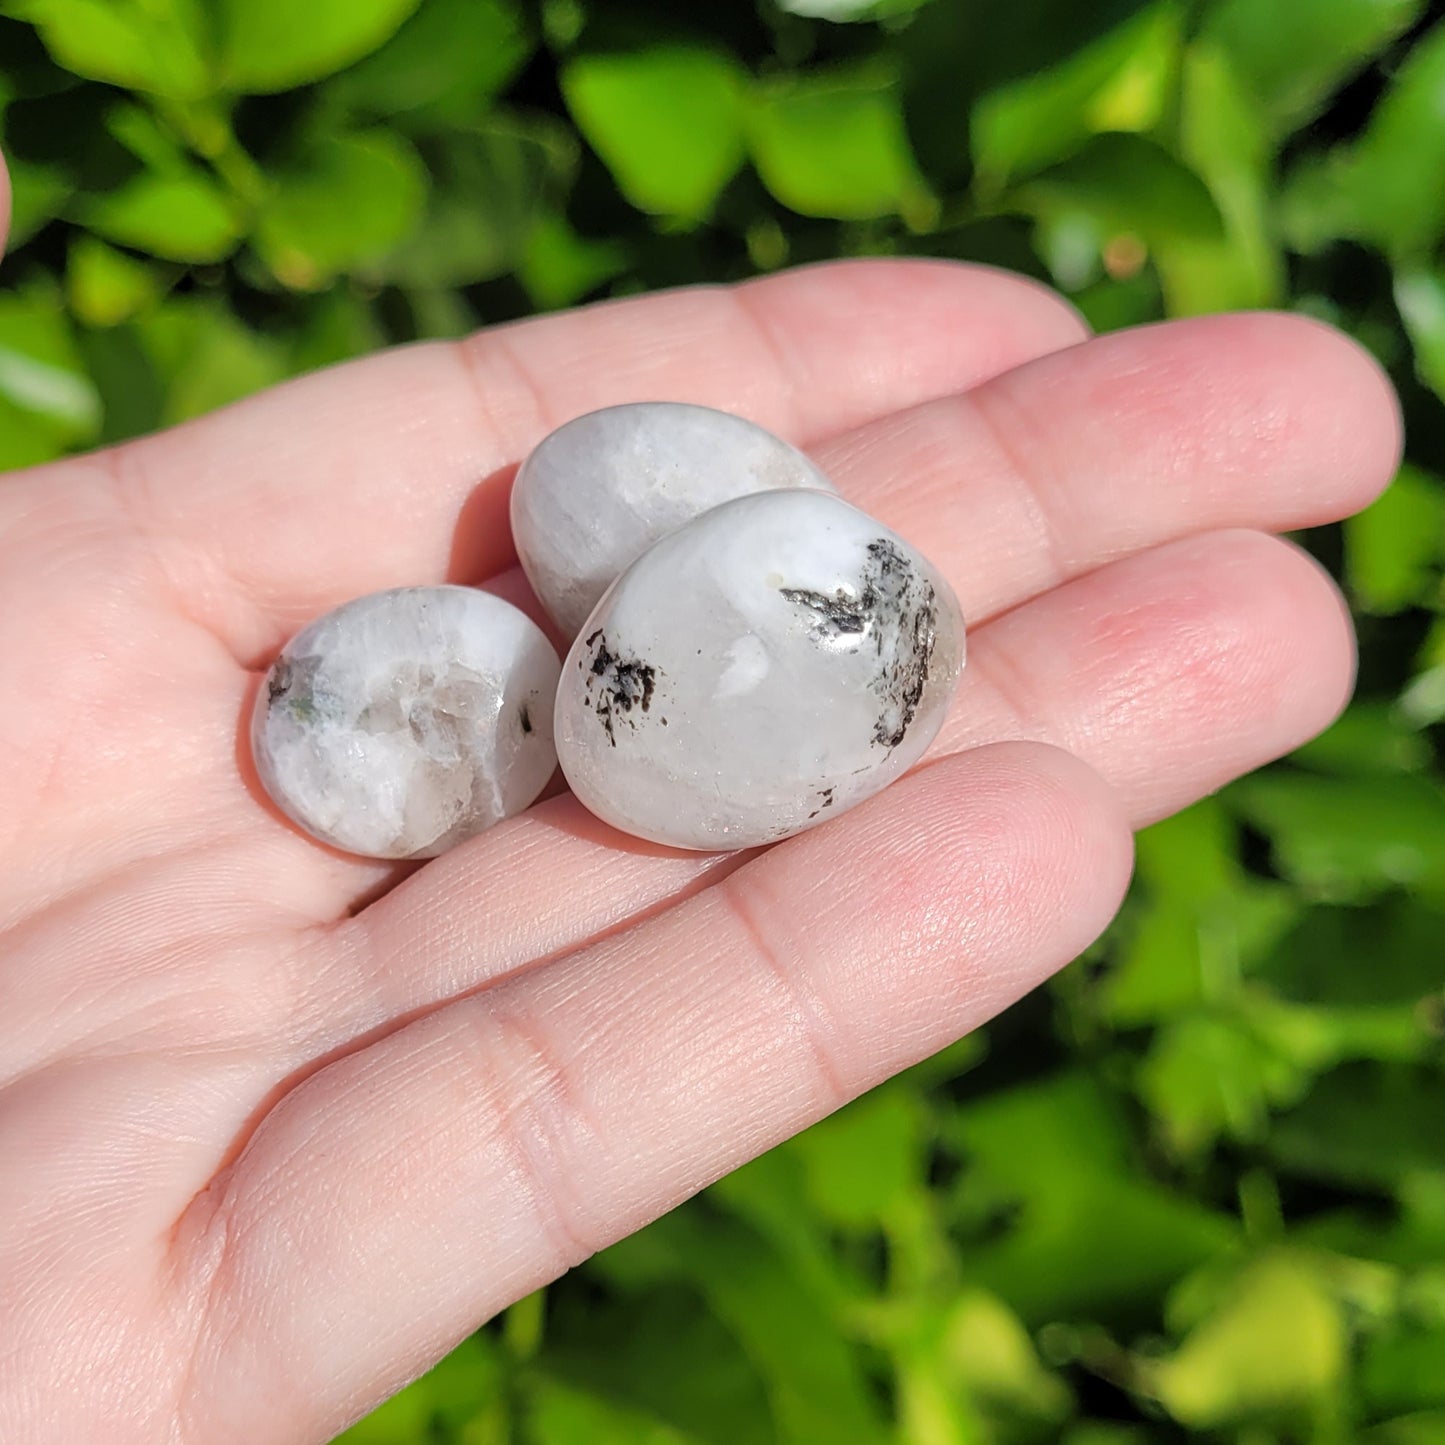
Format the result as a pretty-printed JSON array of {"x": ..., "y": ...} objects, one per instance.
[
  {"x": 1291, "y": 56},
  {"x": 205, "y": 358},
  {"x": 668, "y": 122},
  {"x": 185, "y": 217},
  {"x": 105, "y": 286},
  {"x": 1420, "y": 295},
  {"x": 1388, "y": 188},
  {"x": 267, "y": 45},
  {"x": 1128, "y": 186},
  {"x": 835, "y": 145},
  {"x": 863, "y": 1160},
  {"x": 150, "y": 45},
  {"x": 1350, "y": 838},
  {"x": 1222, "y": 136},
  {"x": 47, "y": 402},
  {"x": 1118, "y": 82},
  {"x": 559, "y": 267},
  {"x": 37, "y": 194},
  {"x": 1277, "y": 1342},
  {"x": 462, "y": 49},
  {"x": 1394, "y": 547}
]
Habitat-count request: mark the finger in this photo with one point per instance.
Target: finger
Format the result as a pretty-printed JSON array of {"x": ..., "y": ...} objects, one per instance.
[
  {"x": 5, "y": 195},
  {"x": 1168, "y": 673},
  {"x": 397, "y": 468},
  {"x": 402, "y": 1194},
  {"x": 1256, "y": 420}
]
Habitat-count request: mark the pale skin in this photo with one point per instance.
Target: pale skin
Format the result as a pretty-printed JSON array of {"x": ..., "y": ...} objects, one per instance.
[{"x": 279, "y": 1126}]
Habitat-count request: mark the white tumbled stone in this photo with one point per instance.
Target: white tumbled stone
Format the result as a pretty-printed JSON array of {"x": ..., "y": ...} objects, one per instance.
[
  {"x": 599, "y": 491},
  {"x": 757, "y": 672},
  {"x": 406, "y": 721}
]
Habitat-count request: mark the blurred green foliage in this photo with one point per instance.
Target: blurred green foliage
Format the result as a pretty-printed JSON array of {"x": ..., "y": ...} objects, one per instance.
[{"x": 1196, "y": 1187}]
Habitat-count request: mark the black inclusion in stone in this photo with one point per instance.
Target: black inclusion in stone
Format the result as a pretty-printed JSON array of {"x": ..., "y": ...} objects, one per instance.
[
  {"x": 893, "y": 607},
  {"x": 617, "y": 687}
]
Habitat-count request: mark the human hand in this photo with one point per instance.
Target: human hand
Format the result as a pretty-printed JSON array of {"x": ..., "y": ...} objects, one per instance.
[{"x": 281, "y": 1126}]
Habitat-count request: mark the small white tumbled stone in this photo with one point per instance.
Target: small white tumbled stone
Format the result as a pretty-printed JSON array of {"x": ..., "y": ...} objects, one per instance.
[
  {"x": 406, "y": 721},
  {"x": 599, "y": 491},
  {"x": 757, "y": 672}
]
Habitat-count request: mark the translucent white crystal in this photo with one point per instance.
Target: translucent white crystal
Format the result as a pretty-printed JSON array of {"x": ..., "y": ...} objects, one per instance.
[
  {"x": 757, "y": 672},
  {"x": 599, "y": 491},
  {"x": 406, "y": 721}
]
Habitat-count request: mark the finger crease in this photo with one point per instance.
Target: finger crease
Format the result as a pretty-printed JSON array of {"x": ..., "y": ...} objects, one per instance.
[{"x": 801, "y": 1005}]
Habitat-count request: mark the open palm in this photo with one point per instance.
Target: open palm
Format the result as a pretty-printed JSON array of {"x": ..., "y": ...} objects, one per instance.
[{"x": 280, "y": 1126}]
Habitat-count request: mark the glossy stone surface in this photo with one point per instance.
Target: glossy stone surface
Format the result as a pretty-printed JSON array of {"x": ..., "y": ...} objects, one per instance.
[
  {"x": 756, "y": 673},
  {"x": 406, "y": 721},
  {"x": 599, "y": 491}
]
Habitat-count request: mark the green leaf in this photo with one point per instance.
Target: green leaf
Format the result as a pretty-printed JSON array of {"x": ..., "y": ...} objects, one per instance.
[
  {"x": 1222, "y": 137},
  {"x": 668, "y": 121},
  {"x": 47, "y": 402},
  {"x": 559, "y": 267},
  {"x": 1292, "y": 56},
  {"x": 1402, "y": 1370},
  {"x": 1426, "y": 1427},
  {"x": 1389, "y": 187},
  {"x": 666, "y": 1355},
  {"x": 994, "y": 1360},
  {"x": 1365, "y": 1124},
  {"x": 343, "y": 207},
  {"x": 37, "y": 194},
  {"x": 157, "y": 46},
  {"x": 562, "y": 1414},
  {"x": 1118, "y": 82},
  {"x": 206, "y": 358},
  {"x": 1084, "y": 1232},
  {"x": 1127, "y": 185},
  {"x": 833, "y": 144},
  {"x": 1277, "y": 1343},
  {"x": 1371, "y": 738},
  {"x": 813, "y": 1372},
  {"x": 185, "y": 217},
  {"x": 1350, "y": 838},
  {"x": 466, "y": 1391},
  {"x": 862, "y": 1161},
  {"x": 954, "y": 54},
  {"x": 465, "y": 50},
  {"x": 1206, "y": 1077},
  {"x": 105, "y": 286},
  {"x": 1420, "y": 296},
  {"x": 267, "y": 45},
  {"x": 1394, "y": 546},
  {"x": 491, "y": 185},
  {"x": 340, "y": 326}
]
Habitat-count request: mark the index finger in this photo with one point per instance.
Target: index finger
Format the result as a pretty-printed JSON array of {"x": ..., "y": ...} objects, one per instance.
[{"x": 396, "y": 468}]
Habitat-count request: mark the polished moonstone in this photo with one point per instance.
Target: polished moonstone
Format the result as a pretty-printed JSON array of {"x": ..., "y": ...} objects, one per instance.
[
  {"x": 406, "y": 721},
  {"x": 599, "y": 491},
  {"x": 757, "y": 672}
]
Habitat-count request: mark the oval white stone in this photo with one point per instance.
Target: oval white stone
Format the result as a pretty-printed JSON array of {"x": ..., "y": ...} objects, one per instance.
[
  {"x": 757, "y": 672},
  {"x": 599, "y": 491},
  {"x": 406, "y": 721}
]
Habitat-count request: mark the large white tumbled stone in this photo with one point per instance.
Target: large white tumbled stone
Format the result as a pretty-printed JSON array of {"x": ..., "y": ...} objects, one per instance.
[
  {"x": 406, "y": 721},
  {"x": 599, "y": 491},
  {"x": 757, "y": 672}
]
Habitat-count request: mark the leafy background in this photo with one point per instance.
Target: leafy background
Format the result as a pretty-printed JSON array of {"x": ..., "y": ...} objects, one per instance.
[{"x": 1196, "y": 1187}]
